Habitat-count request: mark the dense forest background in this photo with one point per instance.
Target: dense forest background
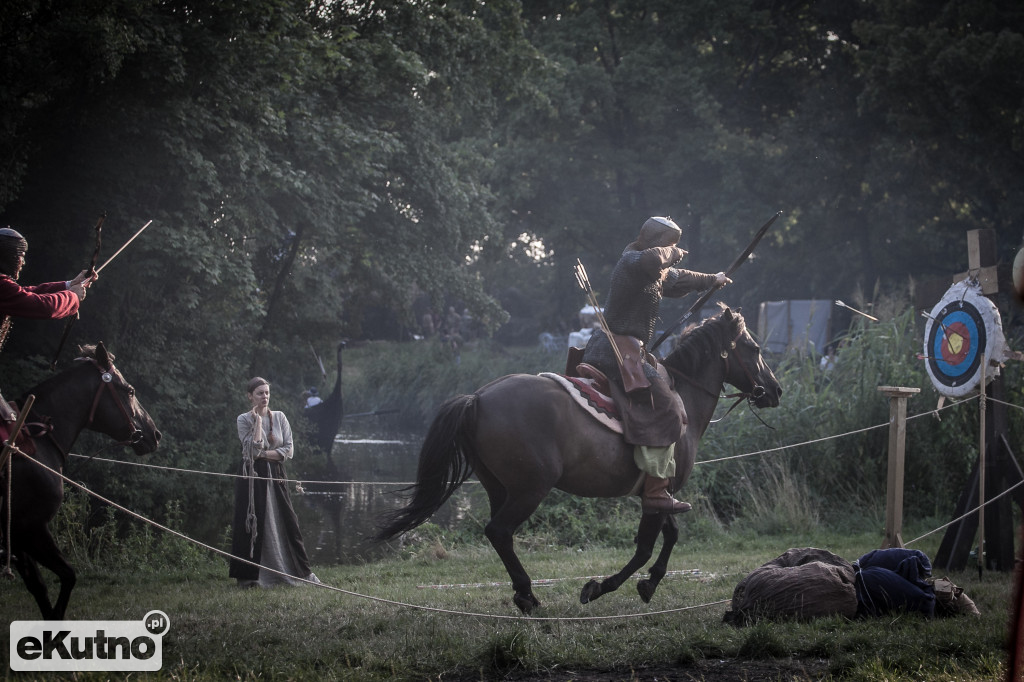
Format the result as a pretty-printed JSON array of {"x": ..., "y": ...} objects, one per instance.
[{"x": 321, "y": 170}]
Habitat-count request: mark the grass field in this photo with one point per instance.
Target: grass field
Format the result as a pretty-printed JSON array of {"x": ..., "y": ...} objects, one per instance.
[{"x": 220, "y": 632}]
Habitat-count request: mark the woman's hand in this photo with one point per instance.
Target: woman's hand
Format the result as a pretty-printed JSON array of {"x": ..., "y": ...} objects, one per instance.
[{"x": 272, "y": 456}]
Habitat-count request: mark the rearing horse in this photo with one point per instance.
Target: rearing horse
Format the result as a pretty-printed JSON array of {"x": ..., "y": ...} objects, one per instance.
[
  {"x": 523, "y": 435},
  {"x": 92, "y": 394}
]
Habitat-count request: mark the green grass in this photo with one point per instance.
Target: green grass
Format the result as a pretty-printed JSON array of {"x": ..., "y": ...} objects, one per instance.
[{"x": 219, "y": 632}]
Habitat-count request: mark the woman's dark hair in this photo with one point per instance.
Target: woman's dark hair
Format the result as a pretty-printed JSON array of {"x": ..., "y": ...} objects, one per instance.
[{"x": 255, "y": 383}]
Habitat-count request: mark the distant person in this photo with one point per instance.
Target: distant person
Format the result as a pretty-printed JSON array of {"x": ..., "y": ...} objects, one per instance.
[
  {"x": 50, "y": 301},
  {"x": 828, "y": 360},
  {"x": 453, "y": 333},
  {"x": 313, "y": 397},
  {"x": 427, "y": 325},
  {"x": 265, "y": 529}
]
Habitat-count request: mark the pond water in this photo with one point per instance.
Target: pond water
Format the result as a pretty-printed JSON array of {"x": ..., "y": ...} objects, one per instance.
[{"x": 345, "y": 497}]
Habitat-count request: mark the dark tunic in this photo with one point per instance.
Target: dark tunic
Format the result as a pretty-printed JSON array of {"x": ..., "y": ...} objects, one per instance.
[{"x": 652, "y": 416}]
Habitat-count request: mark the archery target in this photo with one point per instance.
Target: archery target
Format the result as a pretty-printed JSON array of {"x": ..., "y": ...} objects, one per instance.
[{"x": 962, "y": 327}]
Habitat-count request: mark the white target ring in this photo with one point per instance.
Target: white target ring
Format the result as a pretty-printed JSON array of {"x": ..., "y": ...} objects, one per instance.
[{"x": 964, "y": 326}]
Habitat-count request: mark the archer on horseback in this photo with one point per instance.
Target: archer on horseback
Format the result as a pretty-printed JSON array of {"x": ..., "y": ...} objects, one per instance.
[
  {"x": 653, "y": 415},
  {"x": 50, "y": 301}
]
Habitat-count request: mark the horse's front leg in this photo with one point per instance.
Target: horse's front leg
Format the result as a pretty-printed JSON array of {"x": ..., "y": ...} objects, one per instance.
[
  {"x": 669, "y": 536},
  {"x": 650, "y": 525},
  {"x": 29, "y": 572},
  {"x": 43, "y": 549}
]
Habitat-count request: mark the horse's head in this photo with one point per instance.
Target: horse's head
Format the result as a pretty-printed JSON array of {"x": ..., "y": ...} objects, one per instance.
[
  {"x": 745, "y": 367},
  {"x": 115, "y": 410}
]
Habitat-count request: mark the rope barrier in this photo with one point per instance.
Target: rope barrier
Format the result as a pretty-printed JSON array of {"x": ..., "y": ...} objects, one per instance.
[
  {"x": 410, "y": 483},
  {"x": 965, "y": 515},
  {"x": 826, "y": 438},
  {"x": 226, "y": 475},
  {"x": 547, "y": 582},
  {"x": 370, "y": 597}
]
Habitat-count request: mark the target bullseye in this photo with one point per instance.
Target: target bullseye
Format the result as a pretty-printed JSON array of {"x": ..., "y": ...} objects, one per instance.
[{"x": 963, "y": 326}]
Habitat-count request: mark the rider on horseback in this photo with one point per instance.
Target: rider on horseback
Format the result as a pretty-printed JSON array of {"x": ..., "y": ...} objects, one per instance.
[
  {"x": 653, "y": 415},
  {"x": 53, "y": 300}
]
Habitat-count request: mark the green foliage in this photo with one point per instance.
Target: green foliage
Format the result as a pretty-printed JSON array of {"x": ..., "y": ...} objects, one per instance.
[
  {"x": 317, "y": 171},
  {"x": 568, "y": 521},
  {"x": 91, "y": 537},
  {"x": 416, "y": 378}
]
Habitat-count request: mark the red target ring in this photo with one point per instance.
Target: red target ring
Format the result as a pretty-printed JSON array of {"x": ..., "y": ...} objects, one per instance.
[{"x": 956, "y": 343}]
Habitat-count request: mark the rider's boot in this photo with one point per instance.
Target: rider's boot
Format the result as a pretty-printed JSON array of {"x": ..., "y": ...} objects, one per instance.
[{"x": 656, "y": 498}]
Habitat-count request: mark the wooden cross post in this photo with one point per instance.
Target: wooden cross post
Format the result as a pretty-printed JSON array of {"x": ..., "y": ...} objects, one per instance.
[
  {"x": 997, "y": 464},
  {"x": 897, "y": 449}
]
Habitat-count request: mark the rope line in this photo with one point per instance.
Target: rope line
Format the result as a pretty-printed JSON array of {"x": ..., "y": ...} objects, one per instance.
[
  {"x": 1003, "y": 402},
  {"x": 226, "y": 475},
  {"x": 410, "y": 483},
  {"x": 370, "y": 597},
  {"x": 826, "y": 438},
  {"x": 973, "y": 511}
]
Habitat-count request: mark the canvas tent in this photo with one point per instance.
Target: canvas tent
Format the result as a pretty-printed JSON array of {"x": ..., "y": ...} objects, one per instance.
[{"x": 801, "y": 325}]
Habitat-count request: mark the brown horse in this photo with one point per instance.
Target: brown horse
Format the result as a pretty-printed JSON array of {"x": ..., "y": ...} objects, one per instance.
[
  {"x": 91, "y": 394},
  {"x": 523, "y": 435}
]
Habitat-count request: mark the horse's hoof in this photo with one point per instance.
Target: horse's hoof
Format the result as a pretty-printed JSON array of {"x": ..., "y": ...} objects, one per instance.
[
  {"x": 526, "y": 602},
  {"x": 590, "y": 592},
  {"x": 646, "y": 589}
]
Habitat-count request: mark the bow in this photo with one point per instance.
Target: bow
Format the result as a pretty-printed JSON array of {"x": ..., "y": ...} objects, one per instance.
[
  {"x": 706, "y": 296},
  {"x": 92, "y": 271}
]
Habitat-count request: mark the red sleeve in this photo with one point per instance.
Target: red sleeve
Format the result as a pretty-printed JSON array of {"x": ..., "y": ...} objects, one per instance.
[{"x": 44, "y": 301}]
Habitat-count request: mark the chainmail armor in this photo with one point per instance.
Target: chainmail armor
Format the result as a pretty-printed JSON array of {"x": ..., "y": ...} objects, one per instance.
[{"x": 631, "y": 310}]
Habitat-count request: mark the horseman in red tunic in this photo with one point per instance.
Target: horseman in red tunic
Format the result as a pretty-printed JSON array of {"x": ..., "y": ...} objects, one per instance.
[
  {"x": 53, "y": 300},
  {"x": 653, "y": 415}
]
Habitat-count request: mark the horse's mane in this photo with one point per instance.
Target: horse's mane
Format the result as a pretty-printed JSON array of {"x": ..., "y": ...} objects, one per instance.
[{"x": 700, "y": 341}]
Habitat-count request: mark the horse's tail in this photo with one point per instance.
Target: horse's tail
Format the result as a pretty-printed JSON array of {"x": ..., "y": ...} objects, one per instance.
[{"x": 443, "y": 466}]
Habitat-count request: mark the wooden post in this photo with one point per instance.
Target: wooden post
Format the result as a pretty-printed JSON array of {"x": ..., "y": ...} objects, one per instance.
[
  {"x": 897, "y": 450},
  {"x": 981, "y": 468},
  {"x": 996, "y": 468}
]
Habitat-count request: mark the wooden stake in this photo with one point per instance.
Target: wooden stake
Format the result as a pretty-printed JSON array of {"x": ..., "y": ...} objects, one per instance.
[
  {"x": 897, "y": 448},
  {"x": 981, "y": 471}
]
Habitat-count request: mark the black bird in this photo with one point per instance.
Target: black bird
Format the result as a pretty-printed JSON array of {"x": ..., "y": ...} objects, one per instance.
[{"x": 325, "y": 417}]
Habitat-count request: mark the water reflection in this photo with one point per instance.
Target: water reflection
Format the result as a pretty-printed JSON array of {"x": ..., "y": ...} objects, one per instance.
[{"x": 369, "y": 466}]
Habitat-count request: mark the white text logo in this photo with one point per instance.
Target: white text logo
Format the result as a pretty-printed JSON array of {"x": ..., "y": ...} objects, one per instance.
[{"x": 88, "y": 645}]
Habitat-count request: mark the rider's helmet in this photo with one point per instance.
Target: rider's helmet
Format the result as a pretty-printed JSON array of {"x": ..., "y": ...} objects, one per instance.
[
  {"x": 658, "y": 231},
  {"x": 12, "y": 247}
]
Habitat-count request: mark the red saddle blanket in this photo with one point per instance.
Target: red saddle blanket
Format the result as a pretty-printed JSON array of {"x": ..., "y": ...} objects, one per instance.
[{"x": 594, "y": 402}]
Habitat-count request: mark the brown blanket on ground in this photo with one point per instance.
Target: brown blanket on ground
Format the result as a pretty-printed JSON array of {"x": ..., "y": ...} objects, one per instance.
[{"x": 801, "y": 583}]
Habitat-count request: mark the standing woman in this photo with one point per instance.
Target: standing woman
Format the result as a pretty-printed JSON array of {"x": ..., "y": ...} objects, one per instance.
[{"x": 265, "y": 529}]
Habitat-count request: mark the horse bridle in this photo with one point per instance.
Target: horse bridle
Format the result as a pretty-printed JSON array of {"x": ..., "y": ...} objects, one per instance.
[
  {"x": 756, "y": 391},
  {"x": 107, "y": 381}
]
